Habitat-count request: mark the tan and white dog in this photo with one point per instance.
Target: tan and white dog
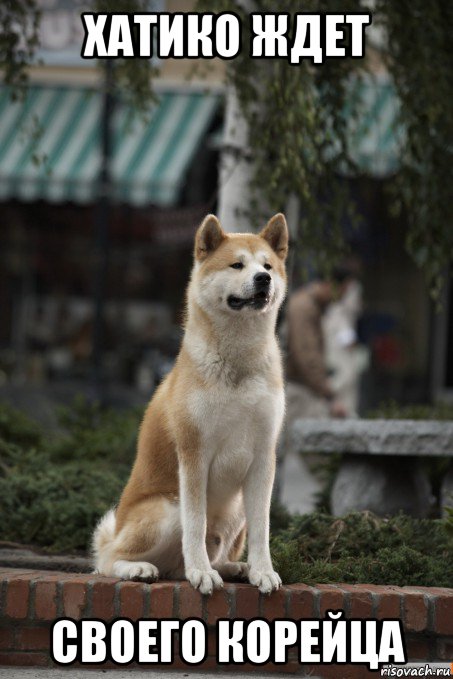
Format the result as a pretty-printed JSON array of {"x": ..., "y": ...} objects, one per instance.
[{"x": 206, "y": 451}]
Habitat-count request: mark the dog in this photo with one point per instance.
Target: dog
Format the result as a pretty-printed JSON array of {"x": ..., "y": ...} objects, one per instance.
[{"x": 205, "y": 463}]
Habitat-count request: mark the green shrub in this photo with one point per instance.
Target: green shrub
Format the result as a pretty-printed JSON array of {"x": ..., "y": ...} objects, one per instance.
[
  {"x": 92, "y": 433},
  {"x": 53, "y": 490},
  {"x": 364, "y": 548},
  {"x": 391, "y": 410},
  {"x": 54, "y": 506},
  {"x": 17, "y": 428}
]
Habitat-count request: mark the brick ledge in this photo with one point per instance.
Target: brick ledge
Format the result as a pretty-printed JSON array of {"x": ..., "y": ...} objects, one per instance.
[{"x": 30, "y": 600}]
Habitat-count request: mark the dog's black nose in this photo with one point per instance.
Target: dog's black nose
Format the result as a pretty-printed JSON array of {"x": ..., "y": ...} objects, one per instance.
[{"x": 262, "y": 279}]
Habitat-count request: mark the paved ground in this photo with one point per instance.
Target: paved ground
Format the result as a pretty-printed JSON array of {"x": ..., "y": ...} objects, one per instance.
[
  {"x": 45, "y": 673},
  {"x": 41, "y": 401},
  {"x": 39, "y": 673}
]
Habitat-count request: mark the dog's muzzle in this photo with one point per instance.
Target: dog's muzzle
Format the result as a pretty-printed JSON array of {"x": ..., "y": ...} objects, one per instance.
[{"x": 260, "y": 298}]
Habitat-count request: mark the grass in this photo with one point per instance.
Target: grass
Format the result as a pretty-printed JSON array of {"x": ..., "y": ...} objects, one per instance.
[{"x": 53, "y": 489}]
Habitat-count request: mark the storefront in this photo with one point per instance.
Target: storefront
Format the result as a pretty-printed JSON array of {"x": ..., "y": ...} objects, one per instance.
[{"x": 162, "y": 179}]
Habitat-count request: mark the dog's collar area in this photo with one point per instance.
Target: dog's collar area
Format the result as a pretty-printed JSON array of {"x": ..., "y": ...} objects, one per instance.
[{"x": 257, "y": 301}]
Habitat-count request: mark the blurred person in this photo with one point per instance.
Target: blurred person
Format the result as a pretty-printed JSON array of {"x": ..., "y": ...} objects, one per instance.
[
  {"x": 346, "y": 359},
  {"x": 309, "y": 391}
]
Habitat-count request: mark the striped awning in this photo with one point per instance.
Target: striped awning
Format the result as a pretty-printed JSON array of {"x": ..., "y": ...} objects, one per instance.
[
  {"x": 375, "y": 137},
  {"x": 50, "y": 145}
]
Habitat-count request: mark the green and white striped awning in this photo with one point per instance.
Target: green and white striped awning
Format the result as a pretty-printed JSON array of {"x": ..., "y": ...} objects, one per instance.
[
  {"x": 375, "y": 136},
  {"x": 50, "y": 145}
]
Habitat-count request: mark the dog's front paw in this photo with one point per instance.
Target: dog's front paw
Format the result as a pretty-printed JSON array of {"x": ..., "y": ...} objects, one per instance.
[
  {"x": 236, "y": 570},
  {"x": 136, "y": 570},
  {"x": 266, "y": 580},
  {"x": 204, "y": 580}
]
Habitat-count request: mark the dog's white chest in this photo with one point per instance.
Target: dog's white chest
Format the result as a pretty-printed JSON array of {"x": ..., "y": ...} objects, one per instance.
[
  {"x": 235, "y": 424},
  {"x": 225, "y": 413}
]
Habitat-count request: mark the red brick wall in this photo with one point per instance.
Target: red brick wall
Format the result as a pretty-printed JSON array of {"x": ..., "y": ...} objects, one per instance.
[{"x": 30, "y": 600}]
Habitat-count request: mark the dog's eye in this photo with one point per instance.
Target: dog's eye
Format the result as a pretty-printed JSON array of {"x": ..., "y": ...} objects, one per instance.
[
  {"x": 268, "y": 267},
  {"x": 237, "y": 265}
]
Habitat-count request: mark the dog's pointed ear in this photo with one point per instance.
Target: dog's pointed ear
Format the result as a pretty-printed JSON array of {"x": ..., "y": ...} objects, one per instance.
[
  {"x": 276, "y": 234},
  {"x": 208, "y": 238}
]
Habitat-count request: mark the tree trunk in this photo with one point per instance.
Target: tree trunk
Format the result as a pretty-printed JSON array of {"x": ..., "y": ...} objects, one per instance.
[{"x": 236, "y": 168}]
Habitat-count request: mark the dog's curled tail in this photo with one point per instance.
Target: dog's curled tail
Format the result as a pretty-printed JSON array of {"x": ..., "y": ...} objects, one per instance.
[{"x": 103, "y": 537}]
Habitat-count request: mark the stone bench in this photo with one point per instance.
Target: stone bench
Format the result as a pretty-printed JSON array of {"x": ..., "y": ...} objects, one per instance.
[{"x": 381, "y": 468}]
